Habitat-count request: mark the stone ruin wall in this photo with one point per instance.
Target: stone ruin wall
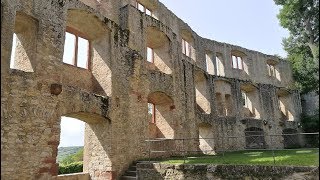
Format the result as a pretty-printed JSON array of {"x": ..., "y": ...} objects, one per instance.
[{"x": 112, "y": 96}]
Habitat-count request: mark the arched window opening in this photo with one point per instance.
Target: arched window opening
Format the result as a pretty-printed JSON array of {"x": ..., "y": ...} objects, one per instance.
[
  {"x": 250, "y": 101},
  {"x": 24, "y": 45},
  {"x": 202, "y": 94},
  {"x": 88, "y": 135},
  {"x": 239, "y": 61},
  {"x": 158, "y": 50},
  {"x": 272, "y": 69},
  {"x": 223, "y": 97},
  {"x": 286, "y": 105},
  {"x": 161, "y": 115},
  {"x": 187, "y": 44}
]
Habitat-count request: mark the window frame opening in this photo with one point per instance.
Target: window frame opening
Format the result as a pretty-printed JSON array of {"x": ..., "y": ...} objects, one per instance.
[
  {"x": 271, "y": 70},
  {"x": 219, "y": 60},
  {"x": 210, "y": 66},
  {"x": 75, "y": 59},
  {"x": 144, "y": 10},
  {"x": 236, "y": 62},
  {"x": 13, "y": 50},
  {"x": 152, "y": 112},
  {"x": 23, "y": 53},
  {"x": 244, "y": 99},
  {"x": 186, "y": 48},
  {"x": 150, "y": 55}
]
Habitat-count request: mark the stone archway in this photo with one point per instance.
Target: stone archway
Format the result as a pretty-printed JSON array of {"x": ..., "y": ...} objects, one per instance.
[
  {"x": 254, "y": 138},
  {"x": 290, "y": 138},
  {"x": 206, "y": 141}
]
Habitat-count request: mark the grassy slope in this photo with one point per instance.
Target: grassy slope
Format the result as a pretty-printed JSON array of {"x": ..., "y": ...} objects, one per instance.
[
  {"x": 66, "y": 151},
  {"x": 283, "y": 157}
]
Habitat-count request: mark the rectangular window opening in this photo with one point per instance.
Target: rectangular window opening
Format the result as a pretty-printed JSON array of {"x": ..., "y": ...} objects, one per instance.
[
  {"x": 271, "y": 70},
  {"x": 234, "y": 62},
  {"x": 76, "y": 50},
  {"x": 244, "y": 99},
  {"x": 208, "y": 59},
  {"x": 13, "y": 51},
  {"x": 144, "y": 9},
  {"x": 148, "y": 12},
  {"x": 141, "y": 7},
  {"x": 239, "y": 63},
  {"x": 151, "y": 111},
  {"x": 150, "y": 55},
  {"x": 186, "y": 48}
]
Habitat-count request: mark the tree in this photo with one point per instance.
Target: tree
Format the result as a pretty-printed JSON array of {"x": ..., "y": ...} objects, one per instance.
[
  {"x": 301, "y": 18},
  {"x": 77, "y": 157},
  {"x": 305, "y": 70}
]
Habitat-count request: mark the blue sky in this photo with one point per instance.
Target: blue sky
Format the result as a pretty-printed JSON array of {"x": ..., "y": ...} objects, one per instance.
[{"x": 251, "y": 24}]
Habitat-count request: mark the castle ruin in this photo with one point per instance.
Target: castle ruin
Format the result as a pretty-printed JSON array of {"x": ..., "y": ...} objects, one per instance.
[{"x": 143, "y": 74}]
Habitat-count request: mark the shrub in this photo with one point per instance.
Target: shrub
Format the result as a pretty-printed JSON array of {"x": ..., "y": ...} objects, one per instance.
[
  {"x": 310, "y": 124},
  {"x": 74, "y": 167}
]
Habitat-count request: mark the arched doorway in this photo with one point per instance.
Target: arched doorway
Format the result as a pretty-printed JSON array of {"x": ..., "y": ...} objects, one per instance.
[
  {"x": 97, "y": 143},
  {"x": 206, "y": 141},
  {"x": 254, "y": 138},
  {"x": 290, "y": 138}
]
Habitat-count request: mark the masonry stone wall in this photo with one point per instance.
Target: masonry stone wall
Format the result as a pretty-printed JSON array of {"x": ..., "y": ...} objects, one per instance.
[
  {"x": 112, "y": 95},
  {"x": 156, "y": 171}
]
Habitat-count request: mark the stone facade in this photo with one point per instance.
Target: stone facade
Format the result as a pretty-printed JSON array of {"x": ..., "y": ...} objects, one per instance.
[{"x": 193, "y": 86}]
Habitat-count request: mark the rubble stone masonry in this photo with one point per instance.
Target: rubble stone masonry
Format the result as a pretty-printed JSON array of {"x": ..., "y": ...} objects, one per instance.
[{"x": 193, "y": 85}]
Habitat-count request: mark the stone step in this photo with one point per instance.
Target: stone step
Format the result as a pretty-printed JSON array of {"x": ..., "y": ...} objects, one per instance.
[
  {"x": 128, "y": 177},
  {"x": 130, "y": 173},
  {"x": 132, "y": 168}
]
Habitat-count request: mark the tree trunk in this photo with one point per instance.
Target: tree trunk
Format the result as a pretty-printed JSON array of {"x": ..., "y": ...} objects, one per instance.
[{"x": 315, "y": 51}]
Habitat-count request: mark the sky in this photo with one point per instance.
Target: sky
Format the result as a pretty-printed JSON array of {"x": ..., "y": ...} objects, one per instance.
[
  {"x": 251, "y": 24},
  {"x": 72, "y": 132}
]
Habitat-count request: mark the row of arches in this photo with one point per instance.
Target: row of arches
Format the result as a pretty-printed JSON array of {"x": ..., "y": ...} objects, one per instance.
[
  {"x": 248, "y": 99},
  {"x": 254, "y": 138}
]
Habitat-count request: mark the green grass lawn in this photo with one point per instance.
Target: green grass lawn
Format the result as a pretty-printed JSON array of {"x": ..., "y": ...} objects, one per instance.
[{"x": 302, "y": 157}]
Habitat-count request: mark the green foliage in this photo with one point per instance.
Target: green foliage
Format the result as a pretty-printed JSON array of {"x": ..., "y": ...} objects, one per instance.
[
  {"x": 63, "y": 152},
  {"x": 74, "y": 167},
  {"x": 305, "y": 70},
  {"x": 78, "y": 156},
  {"x": 301, "y": 18},
  {"x": 72, "y": 163},
  {"x": 310, "y": 123}
]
